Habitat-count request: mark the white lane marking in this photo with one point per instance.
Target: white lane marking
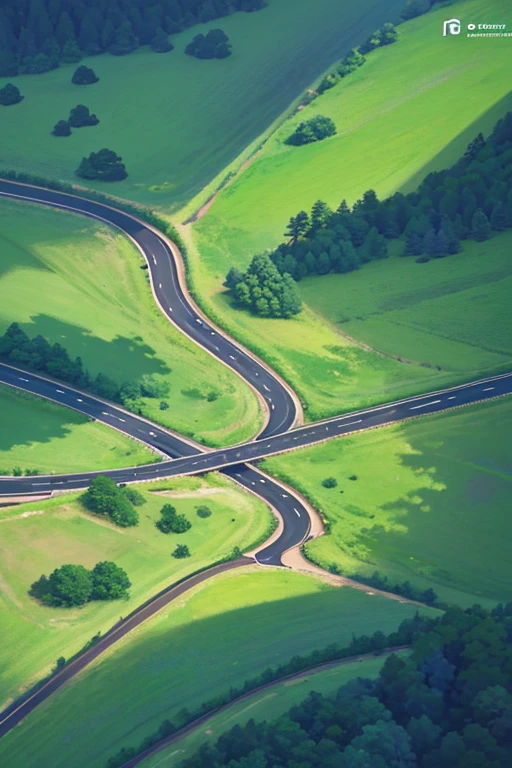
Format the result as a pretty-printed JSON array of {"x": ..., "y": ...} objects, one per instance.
[
  {"x": 487, "y": 389},
  {"x": 154, "y": 258},
  {"x": 212, "y": 333},
  {"x": 296, "y": 512},
  {"x": 22, "y": 379},
  {"x": 296, "y": 438},
  {"x": 284, "y": 495},
  {"x": 60, "y": 391},
  {"x": 79, "y": 400},
  {"x": 104, "y": 413},
  {"x": 272, "y": 406},
  {"x": 159, "y": 285},
  {"x": 452, "y": 397},
  {"x": 264, "y": 559},
  {"x": 256, "y": 372},
  {"x": 41, "y": 483},
  {"x": 120, "y": 419},
  {"x": 170, "y": 309},
  {"x": 198, "y": 321},
  {"x": 262, "y": 481},
  {"x": 265, "y": 387},
  {"x": 252, "y": 483},
  {"x": 140, "y": 430},
  {"x": 153, "y": 434},
  {"x": 424, "y": 405},
  {"x": 238, "y": 475},
  {"x": 348, "y": 424},
  {"x": 232, "y": 358}
]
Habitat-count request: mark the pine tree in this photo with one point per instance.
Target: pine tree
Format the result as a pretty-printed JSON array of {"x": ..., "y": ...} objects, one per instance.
[
  {"x": 498, "y": 217},
  {"x": 65, "y": 29},
  {"x": 430, "y": 242},
  {"x": 320, "y": 215},
  {"x": 480, "y": 226},
  {"x": 71, "y": 53},
  {"x": 160, "y": 43},
  {"x": 413, "y": 244}
]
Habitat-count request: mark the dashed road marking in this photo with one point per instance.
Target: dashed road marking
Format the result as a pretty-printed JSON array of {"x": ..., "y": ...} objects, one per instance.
[{"x": 424, "y": 405}]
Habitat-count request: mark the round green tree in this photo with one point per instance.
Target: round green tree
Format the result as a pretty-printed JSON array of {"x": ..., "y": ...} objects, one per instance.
[
  {"x": 110, "y": 581},
  {"x": 62, "y": 129},
  {"x": 9, "y": 95},
  {"x": 84, "y": 76}
]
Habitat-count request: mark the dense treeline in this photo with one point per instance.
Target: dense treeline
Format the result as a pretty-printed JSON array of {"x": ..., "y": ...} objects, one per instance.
[
  {"x": 448, "y": 705},
  {"x": 37, "y": 35},
  {"x": 38, "y": 355},
  {"x": 471, "y": 199},
  {"x": 72, "y": 585}
]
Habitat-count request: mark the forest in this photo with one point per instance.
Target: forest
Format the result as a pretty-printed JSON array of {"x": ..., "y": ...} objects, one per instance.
[
  {"x": 473, "y": 199},
  {"x": 447, "y": 705},
  {"x": 37, "y": 35}
]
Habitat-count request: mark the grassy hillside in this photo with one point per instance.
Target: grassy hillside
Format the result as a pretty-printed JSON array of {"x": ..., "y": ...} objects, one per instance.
[
  {"x": 430, "y": 502},
  {"x": 79, "y": 283},
  {"x": 178, "y": 121},
  {"x": 412, "y": 107},
  {"x": 40, "y": 435},
  {"x": 267, "y": 705},
  {"x": 221, "y": 633},
  {"x": 40, "y": 536},
  {"x": 453, "y": 313}
]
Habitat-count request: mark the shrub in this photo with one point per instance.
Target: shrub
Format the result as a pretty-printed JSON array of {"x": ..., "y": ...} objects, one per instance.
[
  {"x": 110, "y": 582},
  {"x": 330, "y": 482},
  {"x": 214, "y": 45},
  {"x": 61, "y": 129},
  {"x": 181, "y": 552},
  {"x": 134, "y": 496},
  {"x": 84, "y": 76},
  {"x": 104, "y": 165},
  {"x": 67, "y": 586},
  {"x": 204, "y": 511},
  {"x": 105, "y": 498},
  {"x": 80, "y": 117},
  {"x": 163, "y": 405},
  {"x": 9, "y": 95},
  {"x": 316, "y": 129},
  {"x": 171, "y": 522}
]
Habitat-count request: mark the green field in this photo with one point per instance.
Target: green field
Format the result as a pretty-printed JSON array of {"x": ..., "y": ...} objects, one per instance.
[
  {"x": 35, "y": 538},
  {"x": 220, "y": 634},
  {"x": 267, "y": 705},
  {"x": 452, "y": 313},
  {"x": 178, "y": 121},
  {"x": 393, "y": 127},
  {"x": 431, "y": 502},
  {"x": 79, "y": 283},
  {"x": 37, "y": 434}
]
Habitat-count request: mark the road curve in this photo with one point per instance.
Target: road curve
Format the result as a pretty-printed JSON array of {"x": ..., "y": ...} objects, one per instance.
[
  {"x": 17, "y": 712},
  {"x": 166, "y": 268}
]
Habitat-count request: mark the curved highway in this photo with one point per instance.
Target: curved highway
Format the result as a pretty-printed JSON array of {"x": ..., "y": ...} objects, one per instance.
[{"x": 165, "y": 267}]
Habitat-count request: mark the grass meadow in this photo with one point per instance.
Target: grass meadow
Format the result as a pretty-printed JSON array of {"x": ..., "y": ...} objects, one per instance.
[
  {"x": 393, "y": 127},
  {"x": 37, "y": 434},
  {"x": 267, "y": 705},
  {"x": 175, "y": 120},
  {"x": 217, "y": 635},
  {"x": 79, "y": 283},
  {"x": 37, "y": 537},
  {"x": 430, "y": 501}
]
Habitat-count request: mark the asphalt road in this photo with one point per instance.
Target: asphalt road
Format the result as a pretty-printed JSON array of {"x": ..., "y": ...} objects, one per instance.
[
  {"x": 163, "y": 267},
  {"x": 189, "y": 460}
]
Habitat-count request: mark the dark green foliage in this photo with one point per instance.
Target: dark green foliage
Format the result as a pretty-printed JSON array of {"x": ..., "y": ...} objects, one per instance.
[
  {"x": 315, "y": 129},
  {"x": 349, "y": 64},
  {"x": 72, "y": 585},
  {"x": 386, "y": 35},
  {"x": 80, "y": 117},
  {"x": 415, "y": 8},
  {"x": 266, "y": 292},
  {"x": 67, "y": 586},
  {"x": 214, "y": 45},
  {"x": 104, "y": 497},
  {"x": 405, "y": 589},
  {"x": 203, "y": 511},
  {"x": 152, "y": 387},
  {"x": 480, "y": 226},
  {"x": 62, "y": 129},
  {"x": 104, "y": 165},
  {"x": 171, "y": 522},
  {"x": 160, "y": 43},
  {"x": 110, "y": 582},
  {"x": 36, "y": 35},
  {"x": 448, "y": 206},
  {"x": 9, "y": 95},
  {"x": 330, "y": 482},
  {"x": 181, "y": 552},
  {"x": 84, "y": 76},
  {"x": 134, "y": 496}
]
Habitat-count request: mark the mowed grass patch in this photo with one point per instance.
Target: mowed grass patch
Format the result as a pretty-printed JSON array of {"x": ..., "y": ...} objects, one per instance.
[
  {"x": 426, "y": 501},
  {"x": 35, "y": 538},
  {"x": 80, "y": 284},
  {"x": 393, "y": 127},
  {"x": 37, "y": 434},
  {"x": 453, "y": 313},
  {"x": 267, "y": 705},
  {"x": 222, "y": 633},
  {"x": 178, "y": 121}
]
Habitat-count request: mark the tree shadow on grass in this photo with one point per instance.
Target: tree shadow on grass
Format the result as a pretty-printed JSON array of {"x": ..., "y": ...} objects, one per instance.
[
  {"x": 122, "y": 358},
  {"x": 170, "y": 665}
]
